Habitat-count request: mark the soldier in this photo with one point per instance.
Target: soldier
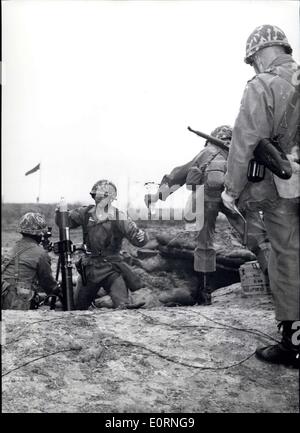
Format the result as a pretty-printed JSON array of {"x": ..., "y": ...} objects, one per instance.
[
  {"x": 104, "y": 227},
  {"x": 29, "y": 268},
  {"x": 270, "y": 108},
  {"x": 209, "y": 168}
]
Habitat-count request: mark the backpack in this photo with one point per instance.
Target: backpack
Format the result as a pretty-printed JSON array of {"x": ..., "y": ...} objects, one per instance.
[{"x": 15, "y": 294}]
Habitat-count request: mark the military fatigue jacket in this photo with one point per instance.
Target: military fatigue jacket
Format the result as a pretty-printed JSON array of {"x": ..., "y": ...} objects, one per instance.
[
  {"x": 262, "y": 115},
  {"x": 34, "y": 266},
  {"x": 105, "y": 237}
]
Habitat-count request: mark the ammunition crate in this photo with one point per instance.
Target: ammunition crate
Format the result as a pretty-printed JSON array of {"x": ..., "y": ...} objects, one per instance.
[{"x": 253, "y": 280}]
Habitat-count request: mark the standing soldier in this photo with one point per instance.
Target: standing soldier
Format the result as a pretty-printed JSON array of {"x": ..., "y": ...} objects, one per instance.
[
  {"x": 270, "y": 109},
  {"x": 208, "y": 168},
  {"x": 104, "y": 227},
  {"x": 29, "y": 268}
]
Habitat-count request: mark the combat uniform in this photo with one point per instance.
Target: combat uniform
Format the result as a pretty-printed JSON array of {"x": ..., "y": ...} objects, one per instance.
[
  {"x": 29, "y": 270},
  {"x": 213, "y": 159},
  {"x": 104, "y": 266},
  {"x": 263, "y": 115}
]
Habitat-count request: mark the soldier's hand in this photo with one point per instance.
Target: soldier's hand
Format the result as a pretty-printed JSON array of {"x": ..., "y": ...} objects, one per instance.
[
  {"x": 140, "y": 236},
  {"x": 150, "y": 198},
  {"x": 57, "y": 291}
]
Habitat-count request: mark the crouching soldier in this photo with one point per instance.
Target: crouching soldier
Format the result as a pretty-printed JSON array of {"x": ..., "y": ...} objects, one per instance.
[
  {"x": 104, "y": 227},
  {"x": 29, "y": 269}
]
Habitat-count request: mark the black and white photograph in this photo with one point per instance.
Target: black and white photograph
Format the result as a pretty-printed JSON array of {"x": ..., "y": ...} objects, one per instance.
[{"x": 150, "y": 209}]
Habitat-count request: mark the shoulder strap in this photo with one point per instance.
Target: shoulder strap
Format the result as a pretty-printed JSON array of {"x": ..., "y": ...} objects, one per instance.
[
  {"x": 287, "y": 117},
  {"x": 16, "y": 259},
  {"x": 204, "y": 167},
  {"x": 85, "y": 223}
]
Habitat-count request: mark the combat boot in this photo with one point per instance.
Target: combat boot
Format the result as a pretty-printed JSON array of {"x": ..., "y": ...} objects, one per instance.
[
  {"x": 285, "y": 352},
  {"x": 203, "y": 295}
]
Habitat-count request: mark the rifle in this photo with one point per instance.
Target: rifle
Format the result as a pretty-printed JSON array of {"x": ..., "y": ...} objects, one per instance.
[{"x": 267, "y": 154}]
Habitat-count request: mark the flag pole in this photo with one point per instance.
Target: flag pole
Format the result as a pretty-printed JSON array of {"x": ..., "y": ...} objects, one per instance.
[
  {"x": 40, "y": 184},
  {"x": 128, "y": 193}
]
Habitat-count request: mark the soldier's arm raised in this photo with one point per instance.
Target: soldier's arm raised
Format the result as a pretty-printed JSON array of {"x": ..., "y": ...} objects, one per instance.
[{"x": 170, "y": 183}]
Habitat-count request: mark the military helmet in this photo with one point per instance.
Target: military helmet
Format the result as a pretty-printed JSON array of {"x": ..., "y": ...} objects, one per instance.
[
  {"x": 33, "y": 223},
  {"x": 105, "y": 186},
  {"x": 223, "y": 132},
  {"x": 265, "y": 36}
]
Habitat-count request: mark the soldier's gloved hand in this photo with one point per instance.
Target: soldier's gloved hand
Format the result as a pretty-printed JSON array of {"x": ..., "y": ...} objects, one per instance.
[
  {"x": 140, "y": 236},
  {"x": 57, "y": 291},
  {"x": 151, "y": 198},
  {"x": 228, "y": 201}
]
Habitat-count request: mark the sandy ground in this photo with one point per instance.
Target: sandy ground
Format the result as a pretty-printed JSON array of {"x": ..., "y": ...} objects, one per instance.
[{"x": 183, "y": 359}]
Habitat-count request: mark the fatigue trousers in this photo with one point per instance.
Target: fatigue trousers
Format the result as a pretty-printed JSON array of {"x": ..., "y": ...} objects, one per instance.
[
  {"x": 257, "y": 242},
  {"x": 282, "y": 224},
  {"x": 85, "y": 295}
]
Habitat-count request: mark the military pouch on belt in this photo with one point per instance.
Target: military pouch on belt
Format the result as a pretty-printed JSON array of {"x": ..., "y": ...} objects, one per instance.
[
  {"x": 23, "y": 298},
  {"x": 17, "y": 296},
  {"x": 195, "y": 176},
  {"x": 215, "y": 175},
  {"x": 81, "y": 270}
]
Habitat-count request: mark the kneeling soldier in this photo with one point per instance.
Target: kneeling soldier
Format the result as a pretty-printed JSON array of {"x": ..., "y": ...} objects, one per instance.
[
  {"x": 104, "y": 228},
  {"x": 29, "y": 268}
]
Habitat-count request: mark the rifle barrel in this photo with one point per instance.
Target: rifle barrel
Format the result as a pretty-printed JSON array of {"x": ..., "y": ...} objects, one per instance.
[{"x": 210, "y": 138}]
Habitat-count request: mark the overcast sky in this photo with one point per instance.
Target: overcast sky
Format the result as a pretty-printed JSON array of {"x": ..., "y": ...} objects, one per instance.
[{"x": 106, "y": 89}]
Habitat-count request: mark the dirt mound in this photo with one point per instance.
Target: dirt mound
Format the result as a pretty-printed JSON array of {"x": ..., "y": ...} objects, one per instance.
[{"x": 185, "y": 359}]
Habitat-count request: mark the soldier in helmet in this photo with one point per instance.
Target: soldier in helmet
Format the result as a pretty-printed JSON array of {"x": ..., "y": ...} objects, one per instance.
[
  {"x": 29, "y": 267},
  {"x": 104, "y": 227},
  {"x": 270, "y": 107},
  {"x": 208, "y": 168}
]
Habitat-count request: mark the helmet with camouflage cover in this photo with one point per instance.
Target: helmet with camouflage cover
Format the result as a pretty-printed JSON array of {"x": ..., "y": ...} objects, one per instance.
[
  {"x": 265, "y": 36},
  {"x": 33, "y": 223},
  {"x": 223, "y": 132},
  {"x": 105, "y": 188}
]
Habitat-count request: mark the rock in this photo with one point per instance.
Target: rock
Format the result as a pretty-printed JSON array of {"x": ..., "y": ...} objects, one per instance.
[
  {"x": 177, "y": 296},
  {"x": 145, "y": 295}
]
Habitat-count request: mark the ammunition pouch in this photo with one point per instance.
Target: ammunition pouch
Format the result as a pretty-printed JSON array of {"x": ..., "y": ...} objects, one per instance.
[
  {"x": 16, "y": 296},
  {"x": 195, "y": 176},
  {"x": 81, "y": 270},
  {"x": 215, "y": 175}
]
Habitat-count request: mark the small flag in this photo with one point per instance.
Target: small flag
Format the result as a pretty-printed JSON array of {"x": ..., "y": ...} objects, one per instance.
[{"x": 34, "y": 169}]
